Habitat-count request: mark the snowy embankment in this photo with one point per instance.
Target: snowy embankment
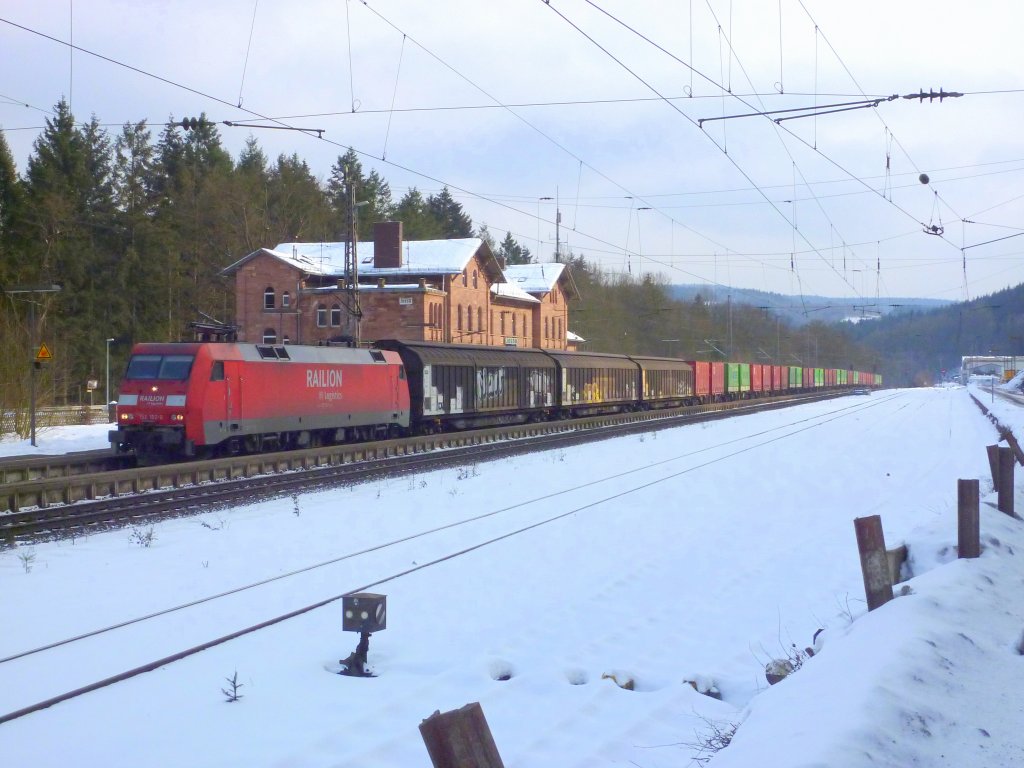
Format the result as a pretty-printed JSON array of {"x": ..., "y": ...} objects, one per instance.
[{"x": 691, "y": 554}]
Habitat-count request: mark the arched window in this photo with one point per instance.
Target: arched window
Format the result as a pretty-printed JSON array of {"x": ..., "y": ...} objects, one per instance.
[
  {"x": 502, "y": 323},
  {"x": 474, "y": 278},
  {"x": 321, "y": 316},
  {"x": 547, "y": 334},
  {"x": 336, "y": 315},
  {"x": 269, "y": 336},
  {"x": 286, "y": 300},
  {"x": 479, "y": 318},
  {"x": 469, "y": 319},
  {"x": 268, "y": 298},
  {"x": 465, "y": 279},
  {"x": 458, "y": 321},
  {"x": 514, "y": 325}
]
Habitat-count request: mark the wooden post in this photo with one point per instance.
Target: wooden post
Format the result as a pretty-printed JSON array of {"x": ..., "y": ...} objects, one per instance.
[
  {"x": 460, "y": 739},
  {"x": 968, "y": 522},
  {"x": 874, "y": 563},
  {"x": 1005, "y": 484},
  {"x": 993, "y": 463}
]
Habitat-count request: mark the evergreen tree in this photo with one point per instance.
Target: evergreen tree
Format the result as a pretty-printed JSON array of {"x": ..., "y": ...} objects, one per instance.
[
  {"x": 250, "y": 201},
  {"x": 512, "y": 252},
  {"x": 11, "y": 208},
  {"x": 298, "y": 207},
  {"x": 452, "y": 220},
  {"x": 372, "y": 190},
  {"x": 417, "y": 221}
]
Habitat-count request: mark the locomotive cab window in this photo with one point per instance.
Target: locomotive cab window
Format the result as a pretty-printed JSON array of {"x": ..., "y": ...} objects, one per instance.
[
  {"x": 161, "y": 367},
  {"x": 217, "y": 372}
]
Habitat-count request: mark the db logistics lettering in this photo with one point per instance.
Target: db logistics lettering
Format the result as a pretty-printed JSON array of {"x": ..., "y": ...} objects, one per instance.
[{"x": 323, "y": 377}]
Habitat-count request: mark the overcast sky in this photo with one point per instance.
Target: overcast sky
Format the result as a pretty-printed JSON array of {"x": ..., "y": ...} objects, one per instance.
[{"x": 828, "y": 205}]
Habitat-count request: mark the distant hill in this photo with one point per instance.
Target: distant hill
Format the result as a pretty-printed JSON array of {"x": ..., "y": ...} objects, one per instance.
[
  {"x": 916, "y": 346},
  {"x": 799, "y": 310}
]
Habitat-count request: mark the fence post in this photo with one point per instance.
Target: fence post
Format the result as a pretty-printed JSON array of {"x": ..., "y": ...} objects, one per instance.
[
  {"x": 874, "y": 562},
  {"x": 1005, "y": 483},
  {"x": 993, "y": 463},
  {"x": 460, "y": 739},
  {"x": 968, "y": 522}
]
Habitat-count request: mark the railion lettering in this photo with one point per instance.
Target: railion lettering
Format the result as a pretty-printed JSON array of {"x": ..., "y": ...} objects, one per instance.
[{"x": 323, "y": 377}]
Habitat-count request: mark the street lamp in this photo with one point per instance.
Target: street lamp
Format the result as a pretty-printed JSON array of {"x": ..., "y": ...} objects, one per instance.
[{"x": 106, "y": 402}]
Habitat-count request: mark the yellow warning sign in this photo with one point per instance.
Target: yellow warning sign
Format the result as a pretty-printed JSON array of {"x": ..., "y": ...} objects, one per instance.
[{"x": 44, "y": 352}]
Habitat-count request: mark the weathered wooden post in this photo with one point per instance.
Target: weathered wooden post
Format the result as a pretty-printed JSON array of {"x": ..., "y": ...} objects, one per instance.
[
  {"x": 1005, "y": 482},
  {"x": 968, "y": 521},
  {"x": 460, "y": 739},
  {"x": 874, "y": 563},
  {"x": 993, "y": 463}
]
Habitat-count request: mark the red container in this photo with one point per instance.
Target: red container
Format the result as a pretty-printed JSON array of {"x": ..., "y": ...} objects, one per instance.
[
  {"x": 701, "y": 379},
  {"x": 757, "y": 377},
  {"x": 717, "y": 381},
  {"x": 780, "y": 378}
]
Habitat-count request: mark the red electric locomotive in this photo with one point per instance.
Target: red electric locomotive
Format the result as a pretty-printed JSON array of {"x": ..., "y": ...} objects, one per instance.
[{"x": 198, "y": 399}]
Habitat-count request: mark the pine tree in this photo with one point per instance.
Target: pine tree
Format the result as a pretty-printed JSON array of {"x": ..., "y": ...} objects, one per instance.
[
  {"x": 512, "y": 252},
  {"x": 417, "y": 221},
  {"x": 452, "y": 220},
  {"x": 11, "y": 208}
]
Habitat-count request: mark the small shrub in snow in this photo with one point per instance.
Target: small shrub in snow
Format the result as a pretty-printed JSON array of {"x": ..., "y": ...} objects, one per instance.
[
  {"x": 27, "y": 559},
  {"x": 295, "y": 505},
  {"x": 231, "y": 692},
  {"x": 143, "y": 537},
  {"x": 467, "y": 472},
  {"x": 715, "y": 736}
]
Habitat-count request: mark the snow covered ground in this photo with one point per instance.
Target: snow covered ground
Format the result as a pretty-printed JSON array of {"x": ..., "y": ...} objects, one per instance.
[{"x": 692, "y": 554}]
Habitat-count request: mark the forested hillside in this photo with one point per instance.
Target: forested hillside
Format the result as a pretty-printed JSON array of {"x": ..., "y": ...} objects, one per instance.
[{"x": 917, "y": 346}]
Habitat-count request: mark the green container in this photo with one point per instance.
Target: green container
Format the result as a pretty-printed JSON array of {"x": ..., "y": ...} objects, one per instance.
[
  {"x": 732, "y": 377},
  {"x": 819, "y": 377},
  {"x": 796, "y": 375},
  {"x": 744, "y": 377}
]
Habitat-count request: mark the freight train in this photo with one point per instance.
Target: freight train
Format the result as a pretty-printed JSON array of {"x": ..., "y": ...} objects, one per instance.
[{"x": 182, "y": 400}]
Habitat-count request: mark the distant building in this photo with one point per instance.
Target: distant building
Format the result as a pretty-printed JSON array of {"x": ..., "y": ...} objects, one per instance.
[{"x": 451, "y": 291}]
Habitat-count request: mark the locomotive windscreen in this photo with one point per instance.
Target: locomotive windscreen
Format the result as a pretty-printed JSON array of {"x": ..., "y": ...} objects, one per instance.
[{"x": 161, "y": 367}]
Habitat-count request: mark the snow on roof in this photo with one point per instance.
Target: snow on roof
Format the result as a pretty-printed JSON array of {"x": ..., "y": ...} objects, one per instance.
[
  {"x": 418, "y": 257},
  {"x": 510, "y": 290},
  {"x": 534, "y": 278}
]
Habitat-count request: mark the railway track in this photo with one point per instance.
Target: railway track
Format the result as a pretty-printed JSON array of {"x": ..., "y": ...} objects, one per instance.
[{"x": 75, "y": 501}]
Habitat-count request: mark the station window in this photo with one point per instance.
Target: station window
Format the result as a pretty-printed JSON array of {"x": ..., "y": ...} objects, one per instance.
[
  {"x": 336, "y": 315},
  {"x": 286, "y": 300},
  {"x": 321, "y": 316},
  {"x": 269, "y": 336},
  {"x": 269, "y": 299}
]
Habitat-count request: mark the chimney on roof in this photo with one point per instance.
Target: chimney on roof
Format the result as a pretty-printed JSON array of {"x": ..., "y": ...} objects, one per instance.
[{"x": 387, "y": 245}]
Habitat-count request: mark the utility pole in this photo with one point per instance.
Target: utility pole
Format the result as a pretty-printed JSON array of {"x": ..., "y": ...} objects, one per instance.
[
  {"x": 352, "y": 258},
  {"x": 558, "y": 222}
]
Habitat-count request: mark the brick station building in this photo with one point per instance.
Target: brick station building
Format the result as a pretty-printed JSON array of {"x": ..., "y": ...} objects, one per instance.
[{"x": 452, "y": 291}]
